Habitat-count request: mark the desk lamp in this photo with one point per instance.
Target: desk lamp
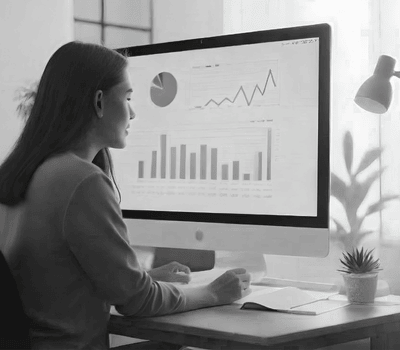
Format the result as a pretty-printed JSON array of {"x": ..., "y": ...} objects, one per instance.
[{"x": 375, "y": 94}]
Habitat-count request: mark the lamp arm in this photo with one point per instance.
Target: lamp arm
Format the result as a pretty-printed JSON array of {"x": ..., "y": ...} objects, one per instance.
[{"x": 397, "y": 74}]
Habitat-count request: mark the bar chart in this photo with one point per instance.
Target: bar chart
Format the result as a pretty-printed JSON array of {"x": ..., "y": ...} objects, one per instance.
[{"x": 176, "y": 162}]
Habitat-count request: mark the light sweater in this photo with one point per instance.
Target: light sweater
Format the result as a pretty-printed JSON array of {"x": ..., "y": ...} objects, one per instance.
[{"x": 68, "y": 249}]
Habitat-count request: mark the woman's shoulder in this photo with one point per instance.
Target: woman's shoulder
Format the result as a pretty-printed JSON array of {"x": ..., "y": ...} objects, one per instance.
[
  {"x": 66, "y": 168},
  {"x": 59, "y": 176}
]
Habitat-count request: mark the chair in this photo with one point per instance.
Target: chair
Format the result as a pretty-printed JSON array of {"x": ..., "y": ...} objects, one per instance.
[{"x": 14, "y": 330}]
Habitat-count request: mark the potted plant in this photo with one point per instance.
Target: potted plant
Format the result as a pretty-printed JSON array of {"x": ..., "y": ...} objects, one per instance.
[
  {"x": 351, "y": 193},
  {"x": 360, "y": 275}
]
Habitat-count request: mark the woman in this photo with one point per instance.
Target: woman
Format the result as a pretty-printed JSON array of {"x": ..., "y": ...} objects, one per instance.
[{"x": 64, "y": 237}]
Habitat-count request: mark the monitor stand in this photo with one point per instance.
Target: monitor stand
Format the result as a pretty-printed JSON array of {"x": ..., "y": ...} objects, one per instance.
[
  {"x": 253, "y": 262},
  {"x": 195, "y": 259},
  {"x": 207, "y": 260}
]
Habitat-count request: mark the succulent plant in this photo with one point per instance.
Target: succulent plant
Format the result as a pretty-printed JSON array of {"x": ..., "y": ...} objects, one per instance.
[
  {"x": 352, "y": 192},
  {"x": 360, "y": 262}
]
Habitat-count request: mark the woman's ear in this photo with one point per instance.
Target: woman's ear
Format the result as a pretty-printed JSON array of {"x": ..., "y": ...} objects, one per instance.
[{"x": 99, "y": 103}]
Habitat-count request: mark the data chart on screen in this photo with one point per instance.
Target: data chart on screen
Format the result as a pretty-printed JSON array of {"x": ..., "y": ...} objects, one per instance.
[{"x": 224, "y": 130}]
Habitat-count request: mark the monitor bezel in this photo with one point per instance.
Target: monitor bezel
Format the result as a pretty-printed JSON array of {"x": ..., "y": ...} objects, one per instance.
[{"x": 321, "y": 31}]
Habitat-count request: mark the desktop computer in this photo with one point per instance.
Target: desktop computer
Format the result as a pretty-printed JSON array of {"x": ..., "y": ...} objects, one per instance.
[{"x": 229, "y": 149}]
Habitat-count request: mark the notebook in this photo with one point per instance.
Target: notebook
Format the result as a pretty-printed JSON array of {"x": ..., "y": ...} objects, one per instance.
[{"x": 292, "y": 300}]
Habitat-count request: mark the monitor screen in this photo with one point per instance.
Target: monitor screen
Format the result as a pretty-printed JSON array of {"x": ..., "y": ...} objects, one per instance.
[{"x": 229, "y": 148}]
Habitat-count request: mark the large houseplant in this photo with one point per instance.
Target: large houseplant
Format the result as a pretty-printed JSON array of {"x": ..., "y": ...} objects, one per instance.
[{"x": 352, "y": 192}]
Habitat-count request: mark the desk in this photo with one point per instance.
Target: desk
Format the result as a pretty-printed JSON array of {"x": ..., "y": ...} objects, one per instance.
[{"x": 228, "y": 327}]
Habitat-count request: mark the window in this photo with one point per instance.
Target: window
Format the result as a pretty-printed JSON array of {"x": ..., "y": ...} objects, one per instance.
[
  {"x": 113, "y": 23},
  {"x": 353, "y": 50},
  {"x": 387, "y": 42},
  {"x": 362, "y": 30}
]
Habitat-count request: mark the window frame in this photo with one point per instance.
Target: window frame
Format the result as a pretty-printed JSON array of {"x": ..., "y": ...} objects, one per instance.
[{"x": 103, "y": 23}]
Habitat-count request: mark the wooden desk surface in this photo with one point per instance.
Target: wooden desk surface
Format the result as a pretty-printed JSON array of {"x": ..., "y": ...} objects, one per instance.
[{"x": 229, "y": 327}]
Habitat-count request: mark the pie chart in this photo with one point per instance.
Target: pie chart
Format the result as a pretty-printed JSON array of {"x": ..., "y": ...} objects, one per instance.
[{"x": 163, "y": 89}]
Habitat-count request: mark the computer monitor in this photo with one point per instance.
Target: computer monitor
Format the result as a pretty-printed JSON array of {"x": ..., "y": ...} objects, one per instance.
[{"x": 229, "y": 149}]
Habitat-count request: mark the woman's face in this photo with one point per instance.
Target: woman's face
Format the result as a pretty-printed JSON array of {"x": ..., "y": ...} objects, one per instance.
[{"x": 117, "y": 113}]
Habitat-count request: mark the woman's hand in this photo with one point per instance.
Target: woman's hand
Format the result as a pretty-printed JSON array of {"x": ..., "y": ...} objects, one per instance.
[
  {"x": 172, "y": 272},
  {"x": 232, "y": 285}
]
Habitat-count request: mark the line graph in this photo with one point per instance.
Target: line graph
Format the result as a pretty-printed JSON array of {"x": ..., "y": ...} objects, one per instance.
[
  {"x": 241, "y": 90},
  {"x": 232, "y": 85}
]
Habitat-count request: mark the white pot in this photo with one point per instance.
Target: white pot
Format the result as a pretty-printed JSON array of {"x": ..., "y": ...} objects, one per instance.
[{"x": 360, "y": 288}]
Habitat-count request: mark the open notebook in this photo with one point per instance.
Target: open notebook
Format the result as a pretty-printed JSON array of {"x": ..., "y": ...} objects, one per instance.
[
  {"x": 283, "y": 299},
  {"x": 291, "y": 300}
]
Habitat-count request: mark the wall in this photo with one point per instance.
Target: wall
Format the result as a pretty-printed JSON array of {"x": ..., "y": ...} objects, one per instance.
[
  {"x": 30, "y": 31},
  {"x": 182, "y": 19}
]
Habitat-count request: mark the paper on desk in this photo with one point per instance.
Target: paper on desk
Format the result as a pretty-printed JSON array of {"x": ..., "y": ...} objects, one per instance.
[
  {"x": 257, "y": 291},
  {"x": 306, "y": 285},
  {"x": 388, "y": 300},
  {"x": 291, "y": 300}
]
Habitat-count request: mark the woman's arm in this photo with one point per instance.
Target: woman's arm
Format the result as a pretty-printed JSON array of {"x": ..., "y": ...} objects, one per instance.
[
  {"x": 97, "y": 236},
  {"x": 230, "y": 286}
]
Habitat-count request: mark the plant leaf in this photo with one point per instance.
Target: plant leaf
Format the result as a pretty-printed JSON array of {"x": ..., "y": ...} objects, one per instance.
[
  {"x": 368, "y": 158},
  {"x": 380, "y": 205},
  {"x": 26, "y": 97},
  {"x": 360, "y": 261},
  {"x": 348, "y": 151},
  {"x": 339, "y": 236},
  {"x": 361, "y": 235},
  {"x": 339, "y": 227},
  {"x": 338, "y": 188},
  {"x": 359, "y": 190}
]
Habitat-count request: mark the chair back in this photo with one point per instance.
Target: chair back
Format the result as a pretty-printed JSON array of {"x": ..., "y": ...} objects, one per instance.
[{"x": 14, "y": 329}]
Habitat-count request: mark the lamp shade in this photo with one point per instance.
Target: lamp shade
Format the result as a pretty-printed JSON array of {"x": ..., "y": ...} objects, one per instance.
[{"x": 375, "y": 94}]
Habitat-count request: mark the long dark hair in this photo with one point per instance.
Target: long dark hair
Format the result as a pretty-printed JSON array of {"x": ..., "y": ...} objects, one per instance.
[{"x": 62, "y": 113}]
